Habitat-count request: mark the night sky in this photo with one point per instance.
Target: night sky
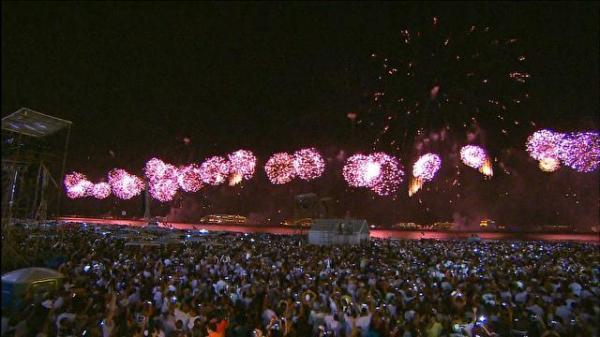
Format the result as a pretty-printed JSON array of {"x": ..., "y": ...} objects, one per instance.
[{"x": 136, "y": 79}]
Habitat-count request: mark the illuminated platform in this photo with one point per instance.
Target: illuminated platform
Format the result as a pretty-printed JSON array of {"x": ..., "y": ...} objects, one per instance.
[{"x": 375, "y": 233}]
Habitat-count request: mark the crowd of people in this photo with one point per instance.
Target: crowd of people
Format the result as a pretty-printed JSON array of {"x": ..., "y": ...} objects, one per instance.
[{"x": 239, "y": 285}]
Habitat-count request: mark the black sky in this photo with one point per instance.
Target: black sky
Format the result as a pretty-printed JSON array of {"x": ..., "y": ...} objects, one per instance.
[{"x": 135, "y": 78}]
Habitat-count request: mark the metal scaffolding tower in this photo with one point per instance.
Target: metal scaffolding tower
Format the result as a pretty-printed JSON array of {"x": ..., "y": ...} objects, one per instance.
[{"x": 34, "y": 154}]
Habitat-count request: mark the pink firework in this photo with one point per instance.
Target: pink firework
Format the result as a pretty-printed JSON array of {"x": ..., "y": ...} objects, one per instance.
[
  {"x": 189, "y": 178},
  {"x": 243, "y": 163},
  {"x": 101, "y": 190},
  {"x": 280, "y": 168},
  {"x": 308, "y": 164},
  {"x": 473, "y": 156},
  {"x": 380, "y": 172},
  {"x": 124, "y": 185},
  {"x": 354, "y": 170},
  {"x": 155, "y": 169},
  {"x": 581, "y": 151},
  {"x": 77, "y": 185},
  {"x": 162, "y": 179},
  {"x": 214, "y": 170},
  {"x": 73, "y": 179},
  {"x": 544, "y": 144},
  {"x": 427, "y": 166},
  {"x": 387, "y": 173},
  {"x": 164, "y": 189}
]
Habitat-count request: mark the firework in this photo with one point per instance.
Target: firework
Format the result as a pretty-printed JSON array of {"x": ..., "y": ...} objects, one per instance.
[
  {"x": 280, "y": 168},
  {"x": 549, "y": 164},
  {"x": 242, "y": 163},
  {"x": 164, "y": 189},
  {"x": 581, "y": 151},
  {"x": 384, "y": 173},
  {"x": 73, "y": 179},
  {"x": 214, "y": 171},
  {"x": 486, "y": 168},
  {"x": 308, "y": 164},
  {"x": 155, "y": 169},
  {"x": 354, "y": 170},
  {"x": 360, "y": 170},
  {"x": 380, "y": 172},
  {"x": 473, "y": 156},
  {"x": 434, "y": 77},
  {"x": 101, "y": 190},
  {"x": 372, "y": 170},
  {"x": 427, "y": 166},
  {"x": 414, "y": 186},
  {"x": 544, "y": 144},
  {"x": 163, "y": 179},
  {"x": 124, "y": 185},
  {"x": 77, "y": 185},
  {"x": 235, "y": 179},
  {"x": 189, "y": 179},
  {"x": 424, "y": 169}
]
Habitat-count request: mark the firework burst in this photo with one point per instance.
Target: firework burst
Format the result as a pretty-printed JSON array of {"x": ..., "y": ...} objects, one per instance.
[
  {"x": 308, "y": 164},
  {"x": 477, "y": 158},
  {"x": 280, "y": 168},
  {"x": 77, "y": 185},
  {"x": 163, "y": 179},
  {"x": 354, "y": 169},
  {"x": 544, "y": 144},
  {"x": 124, "y": 185},
  {"x": 101, "y": 190},
  {"x": 389, "y": 174},
  {"x": 581, "y": 151},
  {"x": 379, "y": 172},
  {"x": 473, "y": 156},
  {"x": 427, "y": 166},
  {"x": 164, "y": 189},
  {"x": 242, "y": 163},
  {"x": 424, "y": 169},
  {"x": 189, "y": 178},
  {"x": 214, "y": 170},
  {"x": 155, "y": 169}
]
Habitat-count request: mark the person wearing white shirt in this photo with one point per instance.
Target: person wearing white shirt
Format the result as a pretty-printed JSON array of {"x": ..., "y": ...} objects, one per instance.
[
  {"x": 563, "y": 312},
  {"x": 521, "y": 297},
  {"x": 333, "y": 324},
  {"x": 158, "y": 299},
  {"x": 133, "y": 298},
  {"x": 192, "y": 321},
  {"x": 349, "y": 322},
  {"x": 364, "y": 321},
  {"x": 219, "y": 286},
  {"x": 267, "y": 315},
  {"x": 182, "y": 316}
]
